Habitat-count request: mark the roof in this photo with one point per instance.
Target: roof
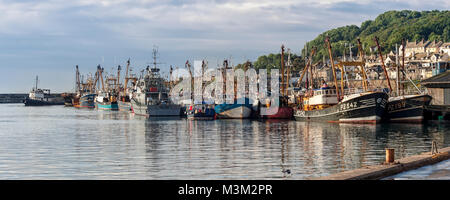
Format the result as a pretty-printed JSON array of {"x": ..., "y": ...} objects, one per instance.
[
  {"x": 416, "y": 44},
  {"x": 435, "y": 44},
  {"x": 441, "y": 80}
]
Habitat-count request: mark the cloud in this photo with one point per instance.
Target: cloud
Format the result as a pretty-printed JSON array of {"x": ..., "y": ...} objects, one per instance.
[{"x": 56, "y": 34}]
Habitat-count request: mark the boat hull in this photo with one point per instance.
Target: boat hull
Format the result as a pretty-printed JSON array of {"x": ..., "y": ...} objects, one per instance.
[
  {"x": 230, "y": 111},
  {"x": 68, "y": 100},
  {"x": 201, "y": 114},
  {"x": 366, "y": 108},
  {"x": 408, "y": 110},
  {"x": 107, "y": 106},
  {"x": 34, "y": 102},
  {"x": 124, "y": 106},
  {"x": 163, "y": 110},
  {"x": 281, "y": 113},
  {"x": 86, "y": 101}
]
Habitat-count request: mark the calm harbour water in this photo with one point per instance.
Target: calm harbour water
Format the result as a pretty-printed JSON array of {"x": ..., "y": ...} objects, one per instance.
[{"x": 67, "y": 143}]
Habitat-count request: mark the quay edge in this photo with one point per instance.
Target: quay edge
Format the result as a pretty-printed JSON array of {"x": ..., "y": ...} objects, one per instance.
[{"x": 377, "y": 172}]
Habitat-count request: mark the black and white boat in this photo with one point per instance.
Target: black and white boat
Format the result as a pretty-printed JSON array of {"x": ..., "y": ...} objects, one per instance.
[
  {"x": 408, "y": 108},
  {"x": 41, "y": 97},
  {"x": 322, "y": 106}
]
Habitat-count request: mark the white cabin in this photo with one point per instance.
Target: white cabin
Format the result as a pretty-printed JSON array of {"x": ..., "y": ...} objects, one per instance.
[
  {"x": 322, "y": 97},
  {"x": 36, "y": 94}
]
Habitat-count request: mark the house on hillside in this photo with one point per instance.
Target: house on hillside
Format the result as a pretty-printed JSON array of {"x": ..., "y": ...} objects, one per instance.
[
  {"x": 440, "y": 62},
  {"x": 445, "y": 48}
]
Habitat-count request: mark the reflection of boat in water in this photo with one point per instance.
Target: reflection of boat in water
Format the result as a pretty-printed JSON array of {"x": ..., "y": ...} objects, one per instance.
[
  {"x": 41, "y": 97},
  {"x": 151, "y": 96}
]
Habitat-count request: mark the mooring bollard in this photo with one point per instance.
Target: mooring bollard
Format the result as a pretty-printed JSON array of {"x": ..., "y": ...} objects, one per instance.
[{"x": 389, "y": 155}]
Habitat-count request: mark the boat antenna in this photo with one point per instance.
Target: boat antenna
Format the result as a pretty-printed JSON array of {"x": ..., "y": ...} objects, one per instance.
[{"x": 36, "y": 82}]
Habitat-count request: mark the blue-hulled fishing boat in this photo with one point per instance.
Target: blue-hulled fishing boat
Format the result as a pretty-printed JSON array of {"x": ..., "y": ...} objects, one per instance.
[
  {"x": 235, "y": 110},
  {"x": 102, "y": 102},
  {"x": 86, "y": 101}
]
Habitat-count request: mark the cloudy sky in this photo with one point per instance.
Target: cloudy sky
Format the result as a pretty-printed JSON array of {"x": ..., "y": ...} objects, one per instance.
[{"x": 49, "y": 37}]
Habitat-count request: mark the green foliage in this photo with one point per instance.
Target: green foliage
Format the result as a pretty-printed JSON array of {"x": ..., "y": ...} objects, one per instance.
[
  {"x": 273, "y": 61},
  {"x": 390, "y": 27}
]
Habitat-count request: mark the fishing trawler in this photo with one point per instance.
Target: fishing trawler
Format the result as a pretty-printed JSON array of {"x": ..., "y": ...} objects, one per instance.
[
  {"x": 359, "y": 107},
  {"x": 105, "y": 101},
  {"x": 239, "y": 109},
  {"x": 350, "y": 105},
  {"x": 107, "y": 97},
  {"x": 125, "y": 94},
  {"x": 283, "y": 110},
  {"x": 41, "y": 97},
  {"x": 150, "y": 97},
  {"x": 199, "y": 110},
  {"x": 406, "y": 108},
  {"x": 86, "y": 101},
  {"x": 85, "y": 95}
]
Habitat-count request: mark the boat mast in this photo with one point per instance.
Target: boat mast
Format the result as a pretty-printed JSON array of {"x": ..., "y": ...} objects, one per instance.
[
  {"x": 100, "y": 70},
  {"x": 126, "y": 77},
  {"x": 225, "y": 65},
  {"x": 118, "y": 79},
  {"x": 288, "y": 70},
  {"x": 188, "y": 66},
  {"x": 170, "y": 77},
  {"x": 94, "y": 86},
  {"x": 327, "y": 40},
  {"x": 382, "y": 64},
  {"x": 306, "y": 67},
  {"x": 204, "y": 68},
  {"x": 363, "y": 71},
  {"x": 77, "y": 78},
  {"x": 398, "y": 71},
  {"x": 283, "y": 92},
  {"x": 403, "y": 63},
  {"x": 155, "y": 54},
  {"x": 311, "y": 76}
]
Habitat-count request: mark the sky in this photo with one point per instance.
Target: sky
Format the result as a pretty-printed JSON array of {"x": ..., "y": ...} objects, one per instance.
[{"x": 47, "y": 38}]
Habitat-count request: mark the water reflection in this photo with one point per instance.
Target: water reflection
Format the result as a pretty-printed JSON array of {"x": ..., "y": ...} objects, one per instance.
[{"x": 88, "y": 144}]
